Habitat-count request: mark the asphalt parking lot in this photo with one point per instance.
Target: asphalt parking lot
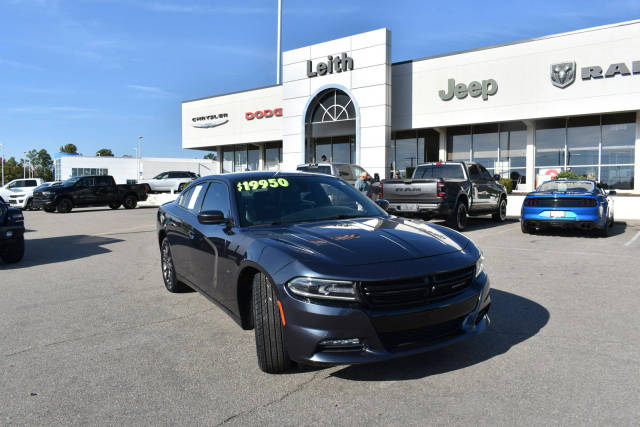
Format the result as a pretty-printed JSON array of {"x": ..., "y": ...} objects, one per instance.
[{"x": 89, "y": 335}]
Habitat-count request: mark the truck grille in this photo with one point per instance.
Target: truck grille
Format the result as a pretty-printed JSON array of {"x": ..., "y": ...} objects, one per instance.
[
  {"x": 416, "y": 291},
  {"x": 561, "y": 202}
]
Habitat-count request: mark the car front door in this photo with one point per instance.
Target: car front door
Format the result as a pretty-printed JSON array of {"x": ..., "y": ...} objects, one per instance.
[
  {"x": 213, "y": 267},
  {"x": 178, "y": 234},
  {"x": 479, "y": 193},
  {"x": 494, "y": 190},
  {"x": 84, "y": 193}
]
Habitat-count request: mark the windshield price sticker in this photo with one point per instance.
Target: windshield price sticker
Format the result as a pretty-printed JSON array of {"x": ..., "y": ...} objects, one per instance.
[{"x": 262, "y": 183}]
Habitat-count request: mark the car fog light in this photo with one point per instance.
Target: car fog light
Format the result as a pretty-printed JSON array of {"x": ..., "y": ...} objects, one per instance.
[{"x": 349, "y": 342}]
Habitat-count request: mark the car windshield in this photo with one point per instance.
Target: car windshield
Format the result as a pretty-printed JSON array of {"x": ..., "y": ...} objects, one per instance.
[
  {"x": 454, "y": 171},
  {"x": 291, "y": 199},
  {"x": 71, "y": 181},
  {"x": 567, "y": 186},
  {"x": 316, "y": 169}
]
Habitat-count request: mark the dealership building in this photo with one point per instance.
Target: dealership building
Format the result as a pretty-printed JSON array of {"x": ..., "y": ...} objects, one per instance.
[{"x": 525, "y": 110}]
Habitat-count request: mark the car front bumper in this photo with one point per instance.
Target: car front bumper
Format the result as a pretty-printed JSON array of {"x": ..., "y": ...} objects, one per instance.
[
  {"x": 11, "y": 234},
  {"x": 383, "y": 334},
  {"x": 38, "y": 203}
]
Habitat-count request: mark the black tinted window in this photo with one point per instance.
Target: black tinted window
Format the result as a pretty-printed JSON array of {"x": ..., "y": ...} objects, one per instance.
[
  {"x": 316, "y": 169},
  {"x": 484, "y": 174},
  {"x": 440, "y": 171},
  {"x": 88, "y": 182},
  {"x": 103, "y": 181},
  {"x": 217, "y": 199},
  {"x": 184, "y": 197},
  {"x": 173, "y": 175},
  {"x": 474, "y": 173},
  {"x": 31, "y": 183}
]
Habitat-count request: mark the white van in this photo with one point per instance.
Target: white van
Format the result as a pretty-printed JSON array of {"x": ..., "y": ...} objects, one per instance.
[{"x": 19, "y": 192}]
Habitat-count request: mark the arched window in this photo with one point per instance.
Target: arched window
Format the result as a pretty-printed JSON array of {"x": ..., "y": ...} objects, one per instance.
[{"x": 332, "y": 105}]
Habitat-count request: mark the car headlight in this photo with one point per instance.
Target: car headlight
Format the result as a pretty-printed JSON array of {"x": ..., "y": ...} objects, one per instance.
[
  {"x": 322, "y": 289},
  {"x": 46, "y": 193},
  {"x": 480, "y": 265}
]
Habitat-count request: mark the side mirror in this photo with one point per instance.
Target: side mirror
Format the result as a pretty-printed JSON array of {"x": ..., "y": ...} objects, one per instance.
[
  {"x": 212, "y": 217},
  {"x": 383, "y": 204},
  {"x": 612, "y": 192},
  {"x": 496, "y": 177}
]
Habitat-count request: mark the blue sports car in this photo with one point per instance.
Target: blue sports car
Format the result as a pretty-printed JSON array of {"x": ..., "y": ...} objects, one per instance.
[{"x": 575, "y": 203}]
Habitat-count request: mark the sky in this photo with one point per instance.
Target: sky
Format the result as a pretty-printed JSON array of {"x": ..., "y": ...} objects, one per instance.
[{"x": 100, "y": 73}]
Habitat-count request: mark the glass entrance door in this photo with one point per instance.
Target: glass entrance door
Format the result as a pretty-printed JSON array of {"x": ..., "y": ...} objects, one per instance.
[{"x": 336, "y": 149}]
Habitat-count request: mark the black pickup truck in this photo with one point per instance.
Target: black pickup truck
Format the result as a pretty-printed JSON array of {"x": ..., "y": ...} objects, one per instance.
[
  {"x": 99, "y": 190},
  {"x": 447, "y": 190},
  {"x": 11, "y": 233}
]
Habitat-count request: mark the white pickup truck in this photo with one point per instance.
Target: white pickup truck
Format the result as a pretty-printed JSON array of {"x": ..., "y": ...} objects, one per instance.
[{"x": 19, "y": 192}]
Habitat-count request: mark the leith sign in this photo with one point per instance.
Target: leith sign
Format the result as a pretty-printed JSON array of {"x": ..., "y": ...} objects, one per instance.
[{"x": 334, "y": 64}]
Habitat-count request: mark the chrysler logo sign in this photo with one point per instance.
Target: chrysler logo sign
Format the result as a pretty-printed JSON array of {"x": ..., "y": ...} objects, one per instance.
[
  {"x": 210, "y": 121},
  {"x": 563, "y": 74}
]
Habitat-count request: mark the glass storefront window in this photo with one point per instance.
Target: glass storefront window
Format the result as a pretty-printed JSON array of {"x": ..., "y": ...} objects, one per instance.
[
  {"x": 550, "y": 142},
  {"x": 459, "y": 143},
  {"x": 583, "y": 139},
  {"x": 337, "y": 149},
  {"x": 227, "y": 160},
  {"x": 485, "y": 145},
  {"x": 253, "y": 159},
  {"x": 618, "y": 138},
  {"x": 513, "y": 152},
  {"x": 617, "y": 177},
  {"x": 272, "y": 156}
]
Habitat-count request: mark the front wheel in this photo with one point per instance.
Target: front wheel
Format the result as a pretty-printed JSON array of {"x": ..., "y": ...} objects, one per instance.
[
  {"x": 458, "y": 218},
  {"x": 14, "y": 252},
  {"x": 501, "y": 213},
  {"x": 269, "y": 327},
  {"x": 64, "y": 206},
  {"x": 29, "y": 205},
  {"x": 130, "y": 202}
]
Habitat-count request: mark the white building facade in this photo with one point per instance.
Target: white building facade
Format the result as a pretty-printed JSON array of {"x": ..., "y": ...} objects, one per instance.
[
  {"x": 525, "y": 110},
  {"x": 125, "y": 169}
]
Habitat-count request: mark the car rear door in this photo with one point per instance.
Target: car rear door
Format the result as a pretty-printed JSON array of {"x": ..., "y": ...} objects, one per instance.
[
  {"x": 493, "y": 189},
  {"x": 479, "y": 192}
]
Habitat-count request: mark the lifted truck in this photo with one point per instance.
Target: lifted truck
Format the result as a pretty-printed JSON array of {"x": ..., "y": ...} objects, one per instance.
[
  {"x": 447, "y": 190},
  {"x": 100, "y": 190}
]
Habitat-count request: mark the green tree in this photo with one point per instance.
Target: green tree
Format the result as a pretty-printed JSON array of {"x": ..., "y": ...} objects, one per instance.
[
  {"x": 211, "y": 156},
  {"x": 43, "y": 164},
  {"x": 69, "y": 148},
  {"x": 104, "y": 152},
  {"x": 570, "y": 175},
  {"x": 12, "y": 169}
]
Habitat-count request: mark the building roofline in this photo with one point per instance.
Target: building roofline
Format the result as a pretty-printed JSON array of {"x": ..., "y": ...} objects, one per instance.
[
  {"x": 551, "y": 36},
  {"x": 230, "y": 93}
]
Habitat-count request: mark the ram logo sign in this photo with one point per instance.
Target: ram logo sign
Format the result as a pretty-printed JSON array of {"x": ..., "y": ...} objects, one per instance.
[{"x": 563, "y": 74}]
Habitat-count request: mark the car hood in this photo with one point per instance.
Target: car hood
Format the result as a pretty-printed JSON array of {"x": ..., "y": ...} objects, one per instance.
[{"x": 362, "y": 241}]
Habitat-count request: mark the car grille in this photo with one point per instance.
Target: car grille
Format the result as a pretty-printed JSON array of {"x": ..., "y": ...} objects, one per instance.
[
  {"x": 416, "y": 290},
  {"x": 415, "y": 338},
  {"x": 561, "y": 202}
]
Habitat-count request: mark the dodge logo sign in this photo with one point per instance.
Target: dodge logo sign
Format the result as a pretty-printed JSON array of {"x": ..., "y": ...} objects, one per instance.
[
  {"x": 263, "y": 114},
  {"x": 563, "y": 74}
]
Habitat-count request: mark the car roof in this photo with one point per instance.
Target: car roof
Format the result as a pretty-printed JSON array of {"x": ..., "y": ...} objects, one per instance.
[{"x": 228, "y": 177}]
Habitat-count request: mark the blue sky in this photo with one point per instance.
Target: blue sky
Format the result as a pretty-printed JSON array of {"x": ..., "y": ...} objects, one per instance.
[{"x": 99, "y": 73}]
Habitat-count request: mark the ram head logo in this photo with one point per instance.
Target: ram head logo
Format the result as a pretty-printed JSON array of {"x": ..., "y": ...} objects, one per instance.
[{"x": 563, "y": 74}]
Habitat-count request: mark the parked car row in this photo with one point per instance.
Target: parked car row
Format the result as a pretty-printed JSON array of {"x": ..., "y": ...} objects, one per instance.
[{"x": 18, "y": 193}]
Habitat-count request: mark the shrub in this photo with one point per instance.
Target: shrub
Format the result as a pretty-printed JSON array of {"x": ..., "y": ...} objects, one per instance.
[
  {"x": 570, "y": 175},
  {"x": 508, "y": 184}
]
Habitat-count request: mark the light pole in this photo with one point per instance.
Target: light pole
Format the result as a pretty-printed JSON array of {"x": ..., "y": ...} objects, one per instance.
[
  {"x": 278, "y": 79},
  {"x": 138, "y": 155},
  {"x": 24, "y": 166}
]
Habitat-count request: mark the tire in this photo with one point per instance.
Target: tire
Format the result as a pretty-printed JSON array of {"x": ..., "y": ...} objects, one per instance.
[
  {"x": 64, "y": 206},
  {"x": 130, "y": 202},
  {"x": 269, "y": 331},
  {"x": 458, "y": 218},
  {"x": 29, "y": 205},
  {"x": 604, "y": 231},
  {"x": 169, "y": 270},
  {"x": 114, "y": 205},
  {"x": 13, "y": 253},
  {"x": 525, "y": 228},
  {"x": 49, "y": 209},
  {"x": 501, "y": 213}
]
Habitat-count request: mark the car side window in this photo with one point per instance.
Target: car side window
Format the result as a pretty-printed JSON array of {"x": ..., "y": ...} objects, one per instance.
[
  {"x": 217, "y": 199},
  {"x": 172, "y": 175},
  {"x": 31, "y": 183},
  {"x": 183, "y": 200},
  {"x": 474, "y": 174},
  {"x": 484, "y": 174},
  {"x": 102, "y": 181},
  {"x": 88, "y": 182},
  {"x": 195, "y": 197},
  {"x": 356, "y": 171},
  {"x": 344, "y": 172}
]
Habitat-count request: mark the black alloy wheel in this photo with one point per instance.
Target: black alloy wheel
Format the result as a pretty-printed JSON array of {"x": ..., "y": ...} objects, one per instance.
[
  {"x": 168, "y": 269},
  {"x": 64, "y": 206},
  {"x": 501, "y": 214},
  {"x": 114, "y": 205},
  {"x": 458, "y": 218},
  {"x": 13, "y": 252},
  {"x": 130, "y": 202},
  {"x": 268, "y": 326}
]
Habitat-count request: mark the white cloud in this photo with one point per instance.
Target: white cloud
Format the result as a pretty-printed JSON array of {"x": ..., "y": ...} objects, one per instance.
[
  {"x": 17, "y": 64},
  {"x": 183, "y": 7},
  {"x": 150, "y": 90}
]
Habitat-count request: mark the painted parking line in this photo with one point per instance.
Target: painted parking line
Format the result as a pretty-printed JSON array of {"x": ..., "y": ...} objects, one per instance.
[
  {"x": 633, "y": 239},
  {"x": 493, "y": 232}
]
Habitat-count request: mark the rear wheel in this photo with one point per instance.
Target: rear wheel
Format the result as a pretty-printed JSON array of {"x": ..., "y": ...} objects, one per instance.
[
  {"x": 114, "y": 205},
  {"x": 501, "y": 214},
  {"x": 130, "y": 202},
  {"x": 29, "y": 205},
  {"x": 13, "y": 252},
  {"x": 168, "y": 269},
  {"x": 458, "y": 218},
  {"x": 64, "y": 206},
  {"x": 269, "y": 329},
  {"x": 524, "y": 227}
]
